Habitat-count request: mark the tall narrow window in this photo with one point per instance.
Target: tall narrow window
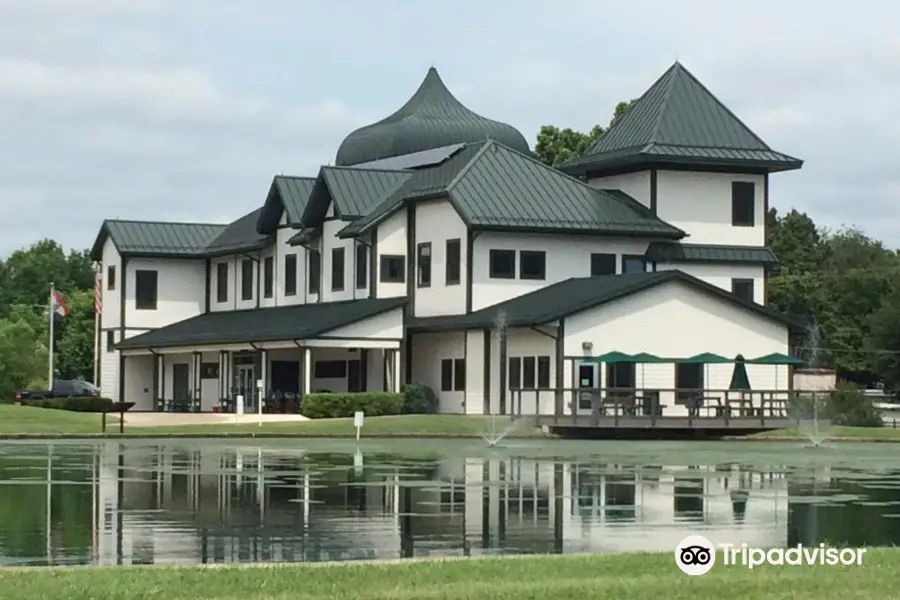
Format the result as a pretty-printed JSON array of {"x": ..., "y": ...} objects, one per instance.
[
  {"x": 743, "y": 201},
  {"x": 246, "y": 279},
  {"x": 290, "y": 275},
  {"x": 528, "y": 373},
  {"x": 337, "y": 269},
  {"x": 454, "y": 256},
  {"x": 543, "y": 369},
  {"x": 423, "y": 264},
  {"x": 515, "y": 373},
  {"x": 222, "y": 282},
  {"x": 362, "y": 266},
  {"x": 459, "y": 374},
  {"x": 315, "y": 271},
  {"x": 146, "y": 284},
  {"x": 447, "y": 375},
  {"x": 111, "y": 277},
  {"x": 269, "y": 276},
  {"x": 110, "y": 340}
]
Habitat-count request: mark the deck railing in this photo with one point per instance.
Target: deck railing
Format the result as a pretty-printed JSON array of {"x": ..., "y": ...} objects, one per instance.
[{"x": 730, "y": 407}]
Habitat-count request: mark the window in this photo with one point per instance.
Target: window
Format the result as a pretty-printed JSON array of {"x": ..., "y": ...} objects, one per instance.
[
  {"x": 315, "y": 271},
  {"x": 392, "y": 267},
  {"x": 453, "y": 375},
  {"x": 515, "y": 373},
  {"x": 743, "y": 200},
  {"x": 110, "y": 341},
  {"x": 543, "y": 372},
  {"x": 222, "y": 282},
  {"x": 528, "y": 372},
  {"x": 459, "y": 374},
  {"x": 330, "y": 369},
  {"x": 454, "y": 256},
  {"x": 688, "y": 382},
  {"x": 247, "y": 279},
  {"x": 290, "y": 275},
  {"x": 111, "y": 277},
  {"x": 268, "y": 276},
  {"x": 362, "y": 266},
  {"x": 502, "y": 264},
  {"x": 337, "y": 269},
  {"x": 145, "y": 289},
  {"x": 423, "y": 264},
  {"x": 633, "y": 264},
  {"x": 620, "y": 375},
  {"x": 533, "y": 265},
  {"x": 603, "y": 264},
  {"x": 743, "y": 289}
]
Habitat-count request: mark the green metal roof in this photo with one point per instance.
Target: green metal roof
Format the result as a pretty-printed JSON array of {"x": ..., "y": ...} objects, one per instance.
[
  {"x": 432, "y": 118},
  {"x": 577, "y": 294},
  {"x": 155, "y": 238},
  {"x": 289, "y": 195},
  {"x": 495, "y": 187},
  {"x": 356, "y": 192},
  {"x": 679, "y": 121},
  {"x": 239, "y": 236},
  {"x": 676, "y": 252},
  {"x": 282, "y": 323}
]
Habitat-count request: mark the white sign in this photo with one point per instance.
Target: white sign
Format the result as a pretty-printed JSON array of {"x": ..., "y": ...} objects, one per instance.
[
  {"x": 358, "y": 417},
  {"x": 239, "y": 405}
]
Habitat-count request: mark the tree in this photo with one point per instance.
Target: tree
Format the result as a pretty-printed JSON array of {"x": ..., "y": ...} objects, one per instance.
[
  {"x": 554, "y": 146},
  {"x": 23, "y": 359}
]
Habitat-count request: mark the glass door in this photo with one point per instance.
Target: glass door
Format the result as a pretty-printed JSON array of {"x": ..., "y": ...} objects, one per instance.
[
  {"x": 588, "y": 382},
  {"x": 245, "y": 385}
]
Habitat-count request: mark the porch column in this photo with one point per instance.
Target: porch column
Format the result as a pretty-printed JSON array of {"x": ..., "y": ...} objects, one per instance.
[
  {"x": 161, "y": 403},
  {"x": 364, "y": 369},
  {"x": 223, "y": 374},
  {"x": 395, "y": 368},
  {"x": 385, "y": 370},
  {"x": 156, "y": 391},
  {"x": 263, "y": 376},
  {"x": 307, "y": 371},
  {"x": 197, "y": 361}
]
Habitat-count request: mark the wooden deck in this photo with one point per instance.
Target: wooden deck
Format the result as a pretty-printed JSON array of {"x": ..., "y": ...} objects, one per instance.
[{"x": 664, "y": 422}]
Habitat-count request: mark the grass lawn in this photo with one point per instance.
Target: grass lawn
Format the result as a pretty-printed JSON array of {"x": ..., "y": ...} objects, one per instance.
[
  {"x": 619, "y": 576},
  {"x": 879, "y": 433},
  {"x": 30, "y": 420}
]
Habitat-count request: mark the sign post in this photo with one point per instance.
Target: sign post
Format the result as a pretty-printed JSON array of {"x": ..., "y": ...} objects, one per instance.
[{"x": 358, "y": 417}]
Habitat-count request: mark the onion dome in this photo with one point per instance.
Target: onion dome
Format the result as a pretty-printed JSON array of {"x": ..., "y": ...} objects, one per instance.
[{"x": 432, "y": 118}]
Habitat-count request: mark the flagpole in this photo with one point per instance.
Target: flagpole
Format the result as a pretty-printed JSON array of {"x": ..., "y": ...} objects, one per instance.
[
  {"x": 97, "y": 339},
  {"x": 50, "y": 351}
]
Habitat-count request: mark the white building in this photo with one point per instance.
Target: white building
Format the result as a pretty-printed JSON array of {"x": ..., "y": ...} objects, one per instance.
[{"x": 438, "y": 250}]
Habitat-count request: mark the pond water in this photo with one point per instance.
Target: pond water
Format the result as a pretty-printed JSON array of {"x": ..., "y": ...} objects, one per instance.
[{"x": 142, "y": 502}]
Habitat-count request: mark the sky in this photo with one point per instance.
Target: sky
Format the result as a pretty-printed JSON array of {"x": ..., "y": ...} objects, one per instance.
[{"x": 184, "y": 110}]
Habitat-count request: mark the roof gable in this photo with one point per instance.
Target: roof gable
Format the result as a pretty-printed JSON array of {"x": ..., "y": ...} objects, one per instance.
[
  {"x": 286, "y": 195},
  {"x": 155, "y": 238},
  {"x": 351, "y": 192},
  {"x": 678, "y": 118},
  {"x": 239, "y": 236},
  {"x": 578, "y": 294}
]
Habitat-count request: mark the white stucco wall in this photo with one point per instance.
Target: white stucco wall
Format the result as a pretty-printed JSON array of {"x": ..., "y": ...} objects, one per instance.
[
  {"x": 567, "y": 256},
  {"x": 390, "y": 238},
  {"x": 636, "y": 185},
  {"x": 721, "y": 275},
  {"x": 677, "y": 321},
  {"x": 437, "y": 222}
]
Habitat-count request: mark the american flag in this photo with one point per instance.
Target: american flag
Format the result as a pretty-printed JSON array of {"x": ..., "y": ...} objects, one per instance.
[{"x": 98, "y": 294}]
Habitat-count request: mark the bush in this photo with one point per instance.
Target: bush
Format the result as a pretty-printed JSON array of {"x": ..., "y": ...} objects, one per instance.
[
  {"x": 418, "y": 398},
  {"x": 373, "y": 404},
  {"x": 846, "y": 405},
  {"x": 73, "y": 403}
]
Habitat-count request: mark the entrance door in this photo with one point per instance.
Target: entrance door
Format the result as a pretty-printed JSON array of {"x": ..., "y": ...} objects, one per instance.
[
  {"x": 354, "y": 376},
  {"x": 245, "y": 382},
  {"x": 587, "y": 380},
  {"x": 181, "y": 386}
]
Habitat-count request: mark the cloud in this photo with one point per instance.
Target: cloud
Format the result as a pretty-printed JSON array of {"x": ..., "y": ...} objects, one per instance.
[{"x": 172, "y": 110}]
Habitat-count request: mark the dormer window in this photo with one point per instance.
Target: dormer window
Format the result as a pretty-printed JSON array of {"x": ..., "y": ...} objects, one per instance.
[{"x": 743, "y": 203}]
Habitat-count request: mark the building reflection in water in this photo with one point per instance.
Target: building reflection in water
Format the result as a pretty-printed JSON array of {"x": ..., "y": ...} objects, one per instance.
[{"x": 168, "y": 505}]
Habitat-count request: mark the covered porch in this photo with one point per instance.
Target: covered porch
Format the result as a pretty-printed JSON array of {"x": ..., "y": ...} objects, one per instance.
[{"x": 264, "y": 360}]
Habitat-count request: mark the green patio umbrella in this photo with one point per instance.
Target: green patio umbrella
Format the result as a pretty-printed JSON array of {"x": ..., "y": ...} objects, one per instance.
[
  {"x": 706, "y": 357},
  {"x": 612, "y": 357},
  {"x": 740, "y": 382},
  {"x": 646, "y": 357},
  {"x": 776, "y": 358}
]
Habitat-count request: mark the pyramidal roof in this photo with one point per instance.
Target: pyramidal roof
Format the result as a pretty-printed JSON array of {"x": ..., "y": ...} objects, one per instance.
[
  {"x": 679, "y": 121},
  {"x": 431, "y": 118}
]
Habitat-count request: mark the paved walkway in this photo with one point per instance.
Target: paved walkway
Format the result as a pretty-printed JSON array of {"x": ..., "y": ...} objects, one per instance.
[{"x": 152, "y": 419}]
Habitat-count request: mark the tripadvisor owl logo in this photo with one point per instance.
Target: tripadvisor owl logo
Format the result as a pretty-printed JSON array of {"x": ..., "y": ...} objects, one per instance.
[{"x": 695, "y": 555}]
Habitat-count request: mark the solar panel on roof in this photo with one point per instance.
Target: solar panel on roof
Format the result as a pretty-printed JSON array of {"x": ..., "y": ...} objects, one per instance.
[{"x": 416, "y": 160}]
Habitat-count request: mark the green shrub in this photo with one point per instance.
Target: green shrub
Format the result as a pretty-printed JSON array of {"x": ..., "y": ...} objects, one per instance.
[
  {"x": 373, "y": 404},
  {"x": 418, "y": 398},
  {"x": 846, "y": 405},
  {"x": 73, "y": 403}
]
